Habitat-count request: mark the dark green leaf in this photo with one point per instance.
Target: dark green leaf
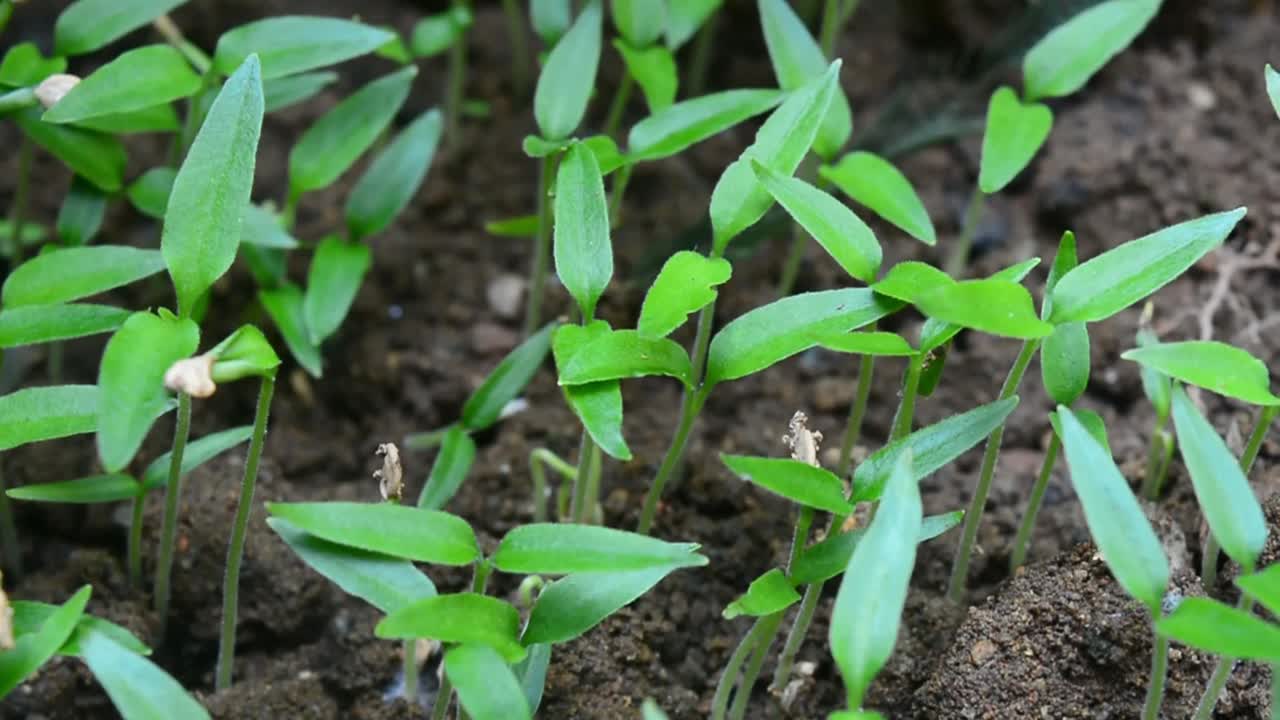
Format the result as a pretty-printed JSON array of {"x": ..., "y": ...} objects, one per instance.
[
  {"x": 641, "y": 22},
  {"x": 1064, "y": 362},
  {"x": 583, "y": 250},
  {"x": 46, "y": 413},
  {"x": 393, "y": 178},
  {"x": 98, "y": 158},
  {"x": 284, "y": 305},
  {"x": 684, "y": 17},
  {"x": 282, "y": 92},
  {"x": 460, "y": 618},
  {"x": 571, "y": 606},
  {"x": 873, "y": 181},
  {"x": 559, "y": 548},
  {"x": 292, "y": 44},
  {"x": 88, "y": 25},
  {"x": 160, "y": 118},
  {"x": 1064, "y": 60},
  {"x": 797, "y": 60},
  {"x": 150, "y": 193},
  {"x": 625, "y": 354},
  {"x": 29, "y": 616},
  {"x": 1014, "y": 135},
  {"x": 80, "y": 216},
  {"x": 686, "y": 284},
  {"x": 24, "y": 66},
  {"x": 654, "y": 70},
  {"x": 508, "y": 380},
  {"x": 33, "y": 650},
  {"x": 770, "y": 593},
  {"x": 198, "y": 452},
  {"x": 487, "y": 688},
  {"x": 211, "y": 190},
  {"x": 568, "y": 77},
  {"x": 428, "y": 536},
  {"x": 86, "y": 490},
  {"x": 775, "y": 332},
  {"x": 1209, "y": 625},
  {"x": 384, "y": 582},
  {"x": 532, "y": 673},
  {"x": 670, "y": 131},
  {"x": 136, "y": 79},
  {"x": 1217, "y": 366},
  {"x": 794, "y": 480},
  {"x": 48, "y": 323},
  {"x": 138, "y": 688},
  {"x": 457, "y": 454},
  {"x": 75, "y": 273},
  {"x": 337, "y": 270}
]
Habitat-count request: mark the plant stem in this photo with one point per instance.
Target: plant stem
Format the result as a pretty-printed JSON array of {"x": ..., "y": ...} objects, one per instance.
[
  {"x": 720, "y": 702},
  {"x": 742, "y": 698},
  {"x": 173, "y": 35},
  {"x": 831, "y": 19},
  {"x": 135, "y": 540},
  {"x": 801, "y": 535},
  {"x": 700, "y": 63},
  {"x": 18, "y": 210},
  {"x": 907, "y": 406},
  {"x": 17, "y": 99},
  {"x": 9, "y": 534},
  {"x": 689, "y": 409},
  {"x": 959, "y": 256},
  {"x": 973, "y": 516},
  {"x": 799, "y": 238},
  {"x": 1023, "y": 539},
  {"x": 1209, "y": 558},
  {"x": 591, "y": 513},
  {"x": 519, "y": 46},
  {"x": 172, "y": 494},
  {"x": 857, "y": 411},
  {"x": 620, "y": 98},
  {"x": 1152, "y": 479},
  {"x": 443, "y": 696},
  {"x": 537, "y": 459},
  {"x": 795, "y": 638},
  {"x": 1155, "y": 687},
  {"x": 235, "y": 551},
  {"x": 586, "y": 454},
  {"x": 621, "y": 177},
  {"x": 1221, "y": 673},
  {"x": 456, "y": 88},
  {"x": 409, "y": 669},
  {"x": 541, "y": 249}
]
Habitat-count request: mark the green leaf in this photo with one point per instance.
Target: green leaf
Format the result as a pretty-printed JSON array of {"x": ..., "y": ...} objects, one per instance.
[
  {"x": 434, "y": 34},
  {"x": 572, "y": 605},
  {"x": 487, "y": 688},
  {"x": 46, "y": 413},
  {"x": 1222, "y": 490},
  {"x": 88, "y": 25},
  {"x": 1092, "y": 422},
  {"x": 1064, "y": 362},
  {"x": 855, "y": 715},
  {"x": 454, "y": 461},
  {"x": 1217, "y": 366},
  {"x": 48, "y": 323},
  {"x": 654, "y": 69},
  {"x": 85, "y": 490},
  {"x": 1064, "y": 261},
  {"x": 138, "y": 688},
  {"x": 1064, "y": 60},
  {"x": 1103, "y": 286},
  {"x": 80, "y": 216},
  {"x": 775, "y": 332},
  {"x": 550, "y": 19},
  {"x": 428, "y": 536},
  {"x": 873, "y": 591},
  {"x": 931, "y": 447},
  {"x": 1157, "y": 386},
  {"x": 211, "y": 190},
  {"x": 598, "y": 405},
  {"x": 1273, "y": 87},
  {"x": 244, "y": 353},
  {"x": 583, "y": 251},
  {"x": 521, "y": 226},
  {"x": 508, "y": 380},
  {"x": 337, "y": 270},
  {"x": 911, "y": 279},
  {"x": 131, "y": 379},
  {"x": 284, "y": 305},
  {"x": 768, "y": 594},
  {"x": 160, "y": 118},
  {"x": 343, "y": 134},
  {"x": 539, "y": 147},
  {"x": 670, "y": 131},
  {"x": 797, "y": 60},
  {"x": 684, "y": 17},
  {"x": 292, "y": 44},
  {"x": 75, "y": 273},
  {"x": 459, "y": 618},
  {"x": 794, "y": 480},
  {"x": 873, "y": 181},
  {"x": 136, "y": 79},
  {"x": 32, "y": 650},
  {"x": 606, "y": 151},
  {"x": 198, "y": 452},
  {"x": 393, "y": 178},
  {"x": 1121, "y": 531},
  {"x": 1263, "y": 586},
  {"x": 98, "y": 158},
  {"x": 568, "y": 77},
  {"x": 1232, "y": 633},
  {"x": 841, "y": 233},
  {"x": 262, "y": 228},
  {"x": 532, "y": 673},
  {"x": 622, "y": 354},
  {"x": 384, "y": 582},
  {"x": 560, "y": 548},
  {"x": 877, "y": 343},
  {"x": 28, "y": 616},
  {"x": 686, "y": 284},
  {"x": 829, "y": 558},
  {"x": 641, "y": 22},
  {"x": 1015, "y": 132},
  {"x": 738, "y": 200},
  {"x": 994, "y": 306},
  {"x": 24, "y": 66},
  {"x": 150, "y": 192},
  {"x": 282, "y": 92}
]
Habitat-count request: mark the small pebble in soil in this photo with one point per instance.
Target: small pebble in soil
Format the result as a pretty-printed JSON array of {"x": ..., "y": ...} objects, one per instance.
[{"x": 504, "y": 294}]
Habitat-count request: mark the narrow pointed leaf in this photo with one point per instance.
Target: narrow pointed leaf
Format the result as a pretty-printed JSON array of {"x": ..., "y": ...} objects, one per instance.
[
  {"x": 570, "y": 606},
  {"x": 37, "y": 324},
  {"x": 81, "y": 214},
  {"x": 1212, "y": 365},
  {"x": 75, "y": 273},
  {"x": 794, "y": 480},
  {"x": 654, "y": 70},
  {"x": 428, "y": 536},
  {"x": 384, "y": 582},
  {"x": 98, "y": 158},
  {"x": 47, "y": 413},
  {"x": 770, "y": 593},
  {"x": 1209, "y": 625},
  {"x": 150, "y": 192},
  {"x": 583, "y": 249},
  {"x": 670, "y": 131},
  {"x": 550, "y": 19},
  {"x": 686, "y": 284},
  {"x": 88, "y": 25},
  {"x": 797, "y": 59},
  {"x": 829, "y": 558},
  {"x": 86, "y": 490},
  {"x": 532, "y": 673},
  {"x": 453, "y": 462},
  {"x": 1103, "y": 286},
  {"x": 211, "y": 191},
  {"x": 160, "y": 118},
  {"x": 1064, "y": 60},
  {"x": 487, "y": 688},
  {"x": 560, "y": 548},
  {"x": 285, "y": 306},
  {"x": 394, "y": 177},
  {"x": 1121, "y": 531},
  {"x": 1064, "y": 362},
  {"x": 567, "y": 78},
  {"x": 1064, "y": 261},
  {"x": 138, "y": 688},
  {"x": 877, "y": 343},
  {"x": 1092, "y": 422},
  {"x": 292, "y": 44},
  {"x": 459, "y": 618},
  {"x": 641, "y": 22},
  {"x": 28, "y": 616},
  {"x": 137, "y": 79},
  {"x": 1273, "y": 88},
  {"x": 1013, "y": 136},
  {"x": 337, "y": 270},
  {"x": 197, "y": 453},
  {"x": 33, "y": 650},
  {"x": 282, "y": 92},
  {"x": 507, "y": 381},
  {"x": 626, "y": 354},
  {"x": 873, "y": 181},
  {"x": 684, "y": 18}
]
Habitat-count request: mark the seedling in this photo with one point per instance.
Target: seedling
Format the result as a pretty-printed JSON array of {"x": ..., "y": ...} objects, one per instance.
[{"x": 652, "y": 65}]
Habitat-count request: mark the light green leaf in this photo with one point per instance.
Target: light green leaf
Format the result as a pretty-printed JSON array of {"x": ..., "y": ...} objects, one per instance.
[
  {"x": 991, "y": 305},
  {"x": 263, "y": 229},
  {"x": 684, "y": 17},
  {"x": 47, "y": 413},
  {"x": 80, "y": 217},
  {"x": 686, "y": 284},
  {"x": 623, "y": 354},
  {"x": 1209, "y": 625},
  {"x": 641, "y": 22},
  {"x": 160, "y": 118},
  {"x": 211, "y": 191},
  {"x": 1064, "y": 362},
  {"x": 877, "y": 343},
  {"x": 137, "y": 79},
  {"x": 568, "y": 77},
  {"x": 1092, "y": 422},
  {"x": 649, "y": 710},
  {"x": 654, "y": 70},
  {"x": 768, "y": 594},
  {"x": 88, "y": 25},
  {"x": 453, "y": 462},
  {"x": 1014, "y": 135},
  {"x": 532, "y": 673},
  {"x": 670, "y": 131},
  {"x": 794, "y": 480},
  {"x": 521, "y": 226},
  {"x": 282, "y": 92},
  {"x": 197, "y": 453},
  {"x": 138, "y": 688},
  {"x": 24, "y": 66},
  {"x": 583, "y": 249},
  {"x": 468, "y": 618},
  {"x": 292, "y": 44},
  {"x": 797, "y": 60},
  {"x": 74, "y": 273},
  {"x": 873, "y": 181},
  {"x": 937, "y": 333},
  {"x": 32, "y": 650},
  {"x": 37, "y": 324},
  {"x": 1273, "y": 87},
  {"x": 1217, "y": 366},
  {"x": 150, "y": 192},
  {"x": 487, "y": 688},
  {"x": 572, "y": 605},
  {"x": 550, "y": 19},
  {"x": 337, "y": 270},
  {"x": 1064, "y": 60},
  {"x": 1157, "y": 386},
  {"x": 1064, "y": 261},
  {"x": 560, "y": 548},
  {"x": 428, "y": 536},
  {"x": 434, "y": 34},
  {"x": 598, "y": 405},
  {"x": 508, "y": 380},
  {"x": 245, "y": 353},
  {"x": 1263, "y": 586},
  {"x": 393, "y": 178},
  {"x": 98, "y": 158},
  {"x": 28, "y": 616},
  {"x": 85, "y": 490},
  {"x": 284, "y": 305}
]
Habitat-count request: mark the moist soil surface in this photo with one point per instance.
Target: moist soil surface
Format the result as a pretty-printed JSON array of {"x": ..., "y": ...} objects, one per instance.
[{"x": 1174, "y": 128}]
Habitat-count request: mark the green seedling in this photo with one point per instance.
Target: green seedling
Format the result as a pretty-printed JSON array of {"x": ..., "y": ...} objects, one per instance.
[
  {"x": 137, "y": 687},
  {"x": 447, "y": 31},
  {"x": 1091, "y": 291},
  {"x": 1123, "y": 535},
  {"x": 1273, "y": 87},
  {"x": 1158, "y": 388},
  {"x": 368, "y": 548},
  {"x": 641, "y": 25}
]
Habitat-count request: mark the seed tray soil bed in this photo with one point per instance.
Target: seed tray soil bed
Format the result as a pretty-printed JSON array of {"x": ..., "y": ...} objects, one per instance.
[{"x": 1173, "y": 128}]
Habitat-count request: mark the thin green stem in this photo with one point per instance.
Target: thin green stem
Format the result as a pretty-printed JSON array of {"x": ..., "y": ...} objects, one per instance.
[
  {"x": 795, "y": 638},
  {"x": 857, "y": 411},
  {"x": 799, "y": 237},
  {"x": 1159, "y": 668},
  {"x": 235, "y": 551},
  {"x": 700, "y": 63},
  {"x": 973, "y": 516},
  {"x": 173, "y": 35},
  {"x": 456, "y": 88},
  {"x": 519, "y": 46},
  {"x": 832, "y": 16},
  {"x": 135, "y": 540},
  {"x": 804, "y": 521},
  {"x": 537, "y": 459},
  {"x": 9, "y": 534},
  {"x": 172, "y": 495},
  {"x": 1023, "y": 539},
  {"x": 742, "y": 698},
  {"x": 1221, "y": 673},
  {"x": 907, "y": 406},
  {"x": 621, "y": 97},
  {"x": 410, "y": 670},
  {"x": 1209, "y": 558},
  {"x": 621, "y": 177},
  {"x": 586, "y": 449},
  {"x": 541, "y": 249},
  {"x": 592, "y": 512},
  {"x": 54, "y": 361},
  {"x": 959, "y": 256},
  {"x": 6, "y": 12},
  {"x": 426, "y": 440},
  {"x": 720, "y": 702},
  {"x": 443, "y": 695},
  {"x": 18, "y": 210},
  {"x": 689, "y": 409},
  {"x": 1152, "y": 479}
]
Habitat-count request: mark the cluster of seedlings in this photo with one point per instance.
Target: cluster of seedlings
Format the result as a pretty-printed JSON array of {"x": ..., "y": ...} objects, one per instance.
[{"x": 858, "y": 523}]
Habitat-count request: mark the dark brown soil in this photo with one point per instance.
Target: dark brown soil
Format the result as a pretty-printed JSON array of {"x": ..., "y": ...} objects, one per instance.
[{"x": 1175, "y": 128}]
